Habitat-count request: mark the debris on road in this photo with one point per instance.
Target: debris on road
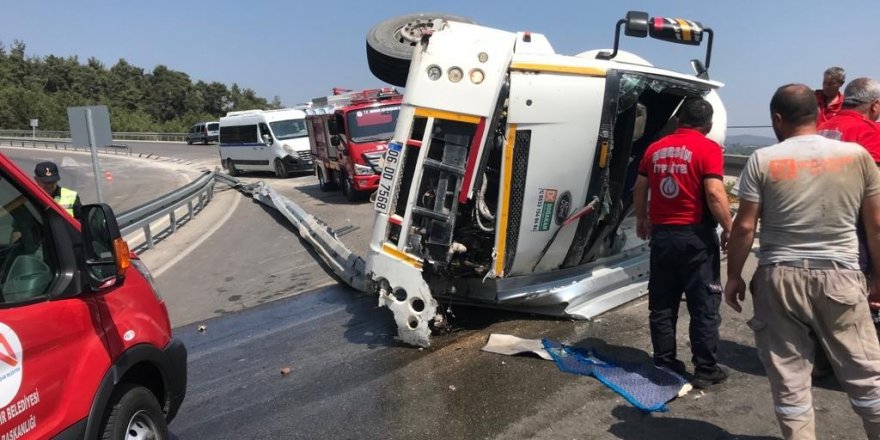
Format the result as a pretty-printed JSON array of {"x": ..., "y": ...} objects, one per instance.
[
  {"x": 285, "y": 371},
  {"x": 201, "y": 328}
]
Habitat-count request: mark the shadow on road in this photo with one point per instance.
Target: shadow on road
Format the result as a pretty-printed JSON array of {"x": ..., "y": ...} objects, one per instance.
[
  {"x": 634, "y": 424},
  {"x": 333, "y": 197}
]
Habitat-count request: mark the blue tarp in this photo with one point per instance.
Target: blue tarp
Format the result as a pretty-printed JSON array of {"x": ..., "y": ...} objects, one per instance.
[{"x": 643, "y": 385}]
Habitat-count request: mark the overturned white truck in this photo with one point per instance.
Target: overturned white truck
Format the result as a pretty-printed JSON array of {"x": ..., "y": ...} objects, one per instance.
[{"x": 511, "y": 169}]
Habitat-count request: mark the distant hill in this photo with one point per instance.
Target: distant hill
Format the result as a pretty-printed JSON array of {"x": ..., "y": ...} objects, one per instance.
[{"x": 751, "y": 140}]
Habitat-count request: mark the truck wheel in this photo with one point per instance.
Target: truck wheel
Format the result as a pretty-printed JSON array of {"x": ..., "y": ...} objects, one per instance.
[
  {"x": 230, "y": 166},
  {"x": 390, "y": 44},
  {"x": 322, "y": 181},
  {"x": 348, "y": 190},
  {"x": 280, "y": 170},
  {"x": 134, "y": 413}
]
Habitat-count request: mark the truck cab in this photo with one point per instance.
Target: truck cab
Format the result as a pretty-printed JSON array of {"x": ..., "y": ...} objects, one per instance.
[
  {"x": 348, "y": 135},
  {"x": 508, "y": 181},
  {"x": 86, "y": 348}
]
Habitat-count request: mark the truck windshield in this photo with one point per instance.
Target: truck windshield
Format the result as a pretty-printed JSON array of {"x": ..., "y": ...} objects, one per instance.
[
  {"x": 372, "y": 124},
  {"x": 289, "y": 129},
  {"x": 213, "y": 126}
]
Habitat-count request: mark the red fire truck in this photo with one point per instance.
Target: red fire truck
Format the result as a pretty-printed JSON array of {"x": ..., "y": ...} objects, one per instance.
[{"x": 348, "y": 134}]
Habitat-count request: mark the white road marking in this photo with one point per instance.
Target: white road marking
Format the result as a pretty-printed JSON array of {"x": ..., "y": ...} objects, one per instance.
[{"x": 182, "y": 254}]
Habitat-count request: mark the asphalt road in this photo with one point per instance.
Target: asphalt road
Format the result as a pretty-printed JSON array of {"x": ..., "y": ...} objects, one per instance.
[
  {"x": 252, "y": 285},
  {"x": 126, "y": 182}
]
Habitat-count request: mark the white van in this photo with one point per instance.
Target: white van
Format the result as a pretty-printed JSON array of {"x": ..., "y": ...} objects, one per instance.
[{"x": 265, "y": 140}]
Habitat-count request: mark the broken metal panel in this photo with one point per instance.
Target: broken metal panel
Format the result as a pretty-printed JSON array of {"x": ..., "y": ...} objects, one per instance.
[
  {"x": 403, "y": 290},
  {"x": 345, "y": 264}
]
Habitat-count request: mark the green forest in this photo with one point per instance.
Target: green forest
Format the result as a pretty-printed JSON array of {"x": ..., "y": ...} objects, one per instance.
[{"x": 162, "y": 100}]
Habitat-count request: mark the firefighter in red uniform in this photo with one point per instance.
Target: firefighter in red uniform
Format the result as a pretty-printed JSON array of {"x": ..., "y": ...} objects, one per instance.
[
  {"x": 683, "y": 173},
  {"x": 829, "y": 97},
  {"x": 857, "y": 121}
]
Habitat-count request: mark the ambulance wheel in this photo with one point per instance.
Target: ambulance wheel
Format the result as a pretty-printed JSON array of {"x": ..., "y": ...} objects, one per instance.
[
  {"x": 280, "y": 170},
  {"x": 390, "y": 44},
  {"x": 134, "y": 413},
  {"x": 322, "y": 181},
  {"x": 230, "y": 166}
]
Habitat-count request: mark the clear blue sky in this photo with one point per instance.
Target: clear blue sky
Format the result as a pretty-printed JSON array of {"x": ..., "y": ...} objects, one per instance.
[{"x": 301, "y": 49}]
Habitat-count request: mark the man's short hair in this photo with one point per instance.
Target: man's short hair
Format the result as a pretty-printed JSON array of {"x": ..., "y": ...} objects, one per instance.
[
  {"x": 695, "y": 112},
  {"x": 836, "y": 73},
  {"x": 861, "y": 91},
  {"x": 796, "y": 103}
]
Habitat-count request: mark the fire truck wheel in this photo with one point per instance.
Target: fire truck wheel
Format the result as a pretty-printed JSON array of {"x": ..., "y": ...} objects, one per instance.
[
  {"x": 350, "y": 193},
  {"x": 280, "y": 170},
  {"x": 390, "y": 44},
  {"x": 322, "y": 181}
]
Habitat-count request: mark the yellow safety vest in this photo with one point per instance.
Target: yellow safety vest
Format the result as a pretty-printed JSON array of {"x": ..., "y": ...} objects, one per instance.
[{"x": 66, "y": 199}]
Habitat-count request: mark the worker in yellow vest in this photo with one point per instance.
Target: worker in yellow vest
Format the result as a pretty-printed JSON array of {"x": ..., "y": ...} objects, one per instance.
[{"x": 47, "y": 177}]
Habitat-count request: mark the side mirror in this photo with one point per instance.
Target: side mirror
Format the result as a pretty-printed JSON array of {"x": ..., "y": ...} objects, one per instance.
[
  {"x": 267, "y": 139},
  {"x": 332, "y": 128},
  {"x": 636, "y": 24},
  {"x": 335, "y": 141},
  {"x": 107, "y": 257}
]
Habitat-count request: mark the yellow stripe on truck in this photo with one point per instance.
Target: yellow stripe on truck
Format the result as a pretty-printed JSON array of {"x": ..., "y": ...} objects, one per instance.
[
  {"x": 402, "y": 256},
  {"x": 449, "y": 116},
  {"x": 685, "y": 29},
  {"x": 555, "y": 68},
  {"x": 507, "y": 164}
]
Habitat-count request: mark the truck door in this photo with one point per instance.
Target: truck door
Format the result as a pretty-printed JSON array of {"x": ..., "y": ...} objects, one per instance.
[{"x": 52, "y": 352}]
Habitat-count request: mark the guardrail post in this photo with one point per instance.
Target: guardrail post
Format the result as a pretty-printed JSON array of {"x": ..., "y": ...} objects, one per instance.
[
  {"x": 148, "y": 235},
  {"x": 173, "y": 218},
  {"x": 189, "y": 205}
]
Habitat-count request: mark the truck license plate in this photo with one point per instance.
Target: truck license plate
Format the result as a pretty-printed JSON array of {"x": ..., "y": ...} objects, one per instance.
[{"x": 389, "y": 167}]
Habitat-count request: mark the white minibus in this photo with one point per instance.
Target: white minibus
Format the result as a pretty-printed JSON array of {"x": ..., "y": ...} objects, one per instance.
[{"x": 265, "y": 140}]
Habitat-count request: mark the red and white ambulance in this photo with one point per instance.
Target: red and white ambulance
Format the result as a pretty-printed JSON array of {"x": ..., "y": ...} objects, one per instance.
[{"x": 86, "y": 349}]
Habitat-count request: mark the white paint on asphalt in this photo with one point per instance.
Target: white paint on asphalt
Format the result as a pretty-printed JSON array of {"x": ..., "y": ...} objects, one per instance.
[{"x": 182, "y": 254}]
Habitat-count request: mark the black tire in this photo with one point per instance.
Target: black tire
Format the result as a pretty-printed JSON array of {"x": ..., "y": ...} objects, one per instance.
[
  {"x": 230, "y": 166},
  {"x": 390, "y": 44},
  {"x": 189, "y": 142},
  {"x": 322, "y": 181},
  {"x": 205, "y": 141},
  {"x": 280, "y": 170},
  {"x": 351, "y": 194},
  {"x": 133, "y": 408}
]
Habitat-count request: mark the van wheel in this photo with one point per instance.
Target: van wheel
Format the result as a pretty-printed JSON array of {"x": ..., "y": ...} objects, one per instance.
[
  {"x": 230, "y": 166},
  {"x": 322, "y": 181},
  {"x": 350, "y": 193},
  {"x": 189, "y": 142},
  {"x": 205, "y": 141},
  {"x": 390, "y": 44},
  {"x": 134, "y": 413},
  {"x": 280, "y": 170}
]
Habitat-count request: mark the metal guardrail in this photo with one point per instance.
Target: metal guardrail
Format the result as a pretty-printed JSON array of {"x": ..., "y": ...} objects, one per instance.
[
  {"x": 195, "y": 195},
  {"x": 53, "y": 144},
  {"x": 117, "y": 135},
  {"x": 734, "y": 164}
]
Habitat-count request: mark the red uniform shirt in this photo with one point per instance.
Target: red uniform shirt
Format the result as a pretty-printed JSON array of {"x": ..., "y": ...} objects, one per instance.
[
  {"x": 827, "y": 110},
  {"x": 852, "y": 126},
  {"x": 675, "y": 167}
]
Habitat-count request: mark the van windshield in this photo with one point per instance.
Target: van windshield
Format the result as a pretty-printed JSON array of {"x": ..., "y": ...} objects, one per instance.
[
  {"x": 289, "y": 129},
  {"x": 372, "y": 124}
]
